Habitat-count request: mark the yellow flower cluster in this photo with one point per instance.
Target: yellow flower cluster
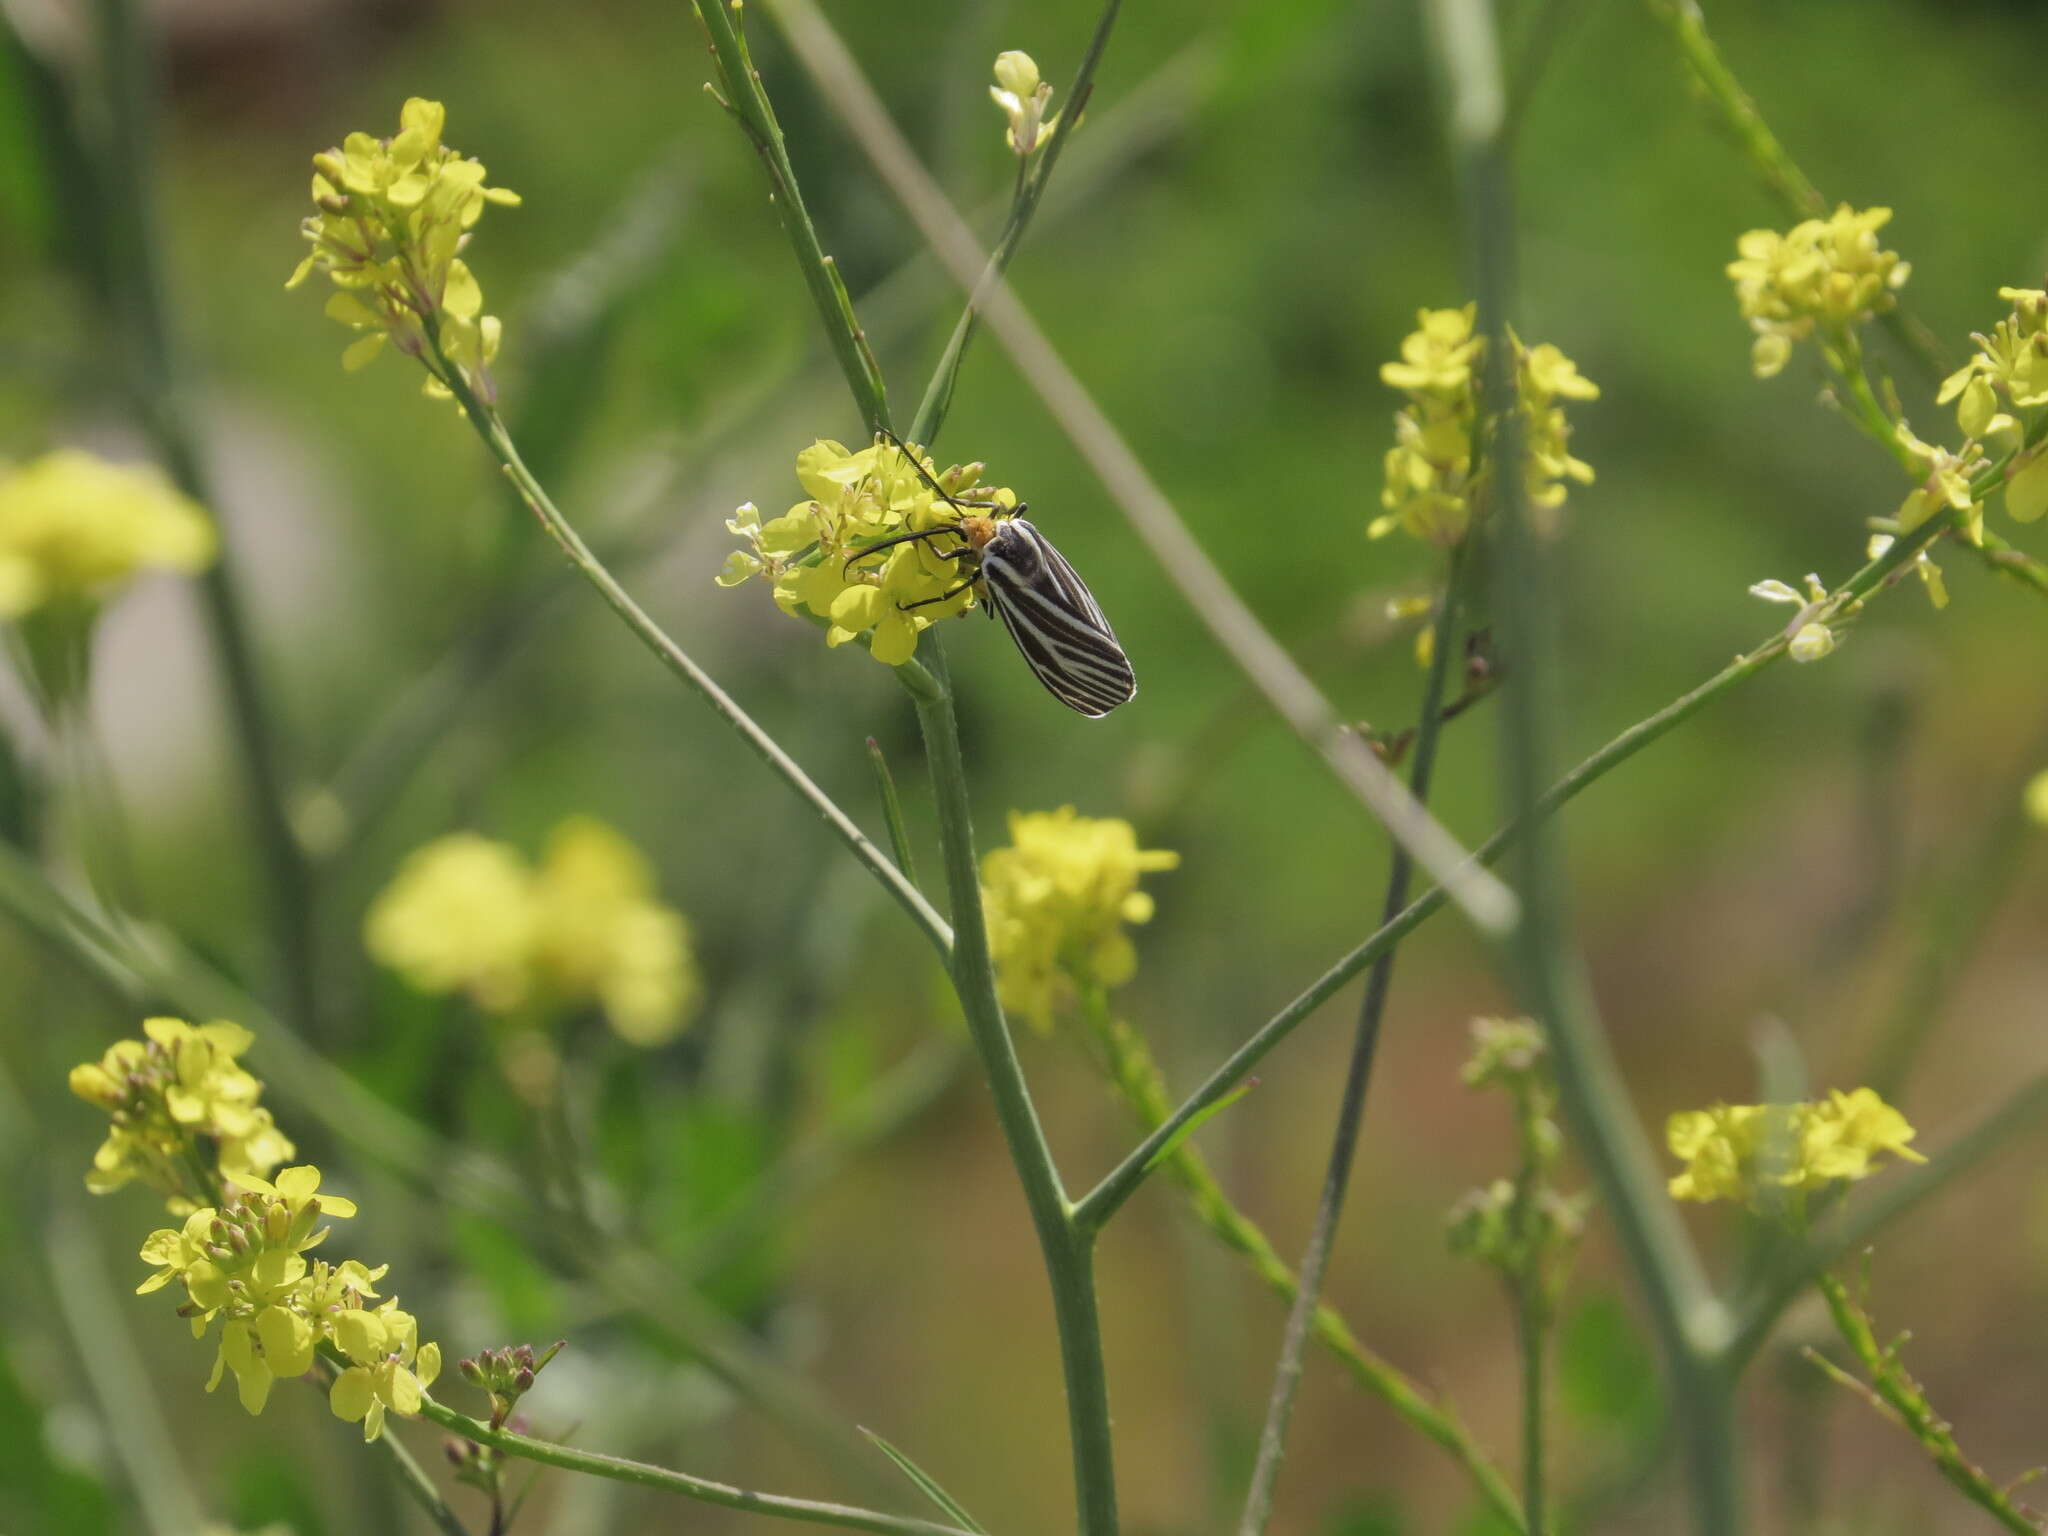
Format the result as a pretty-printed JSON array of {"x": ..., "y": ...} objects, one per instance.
[
  {"x": 393, "y": 214},
  {"x": 1830, "y": 273},
  {"x": 244, "y": 1263},
  {"x": 182, "y": 1086},
  {"x": 1434, "y": 480},
  {"x": 74, "y": 528},
  {"x": 2008, "y": 373},
  {"x": 1736, "y": 1151},
  {"x": 1023, "y": 98},
  {"x": 187, "y": 1123},
  {"x": 1057, "y": 901},
  {"x": 467, "y": 914},
  {"x": 856, "y": 499}
]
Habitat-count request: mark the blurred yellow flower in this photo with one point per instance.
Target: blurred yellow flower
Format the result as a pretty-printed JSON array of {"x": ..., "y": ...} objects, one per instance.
[
  {"x": 1735, "y": 1151},
  {"x": 1433, "y": 478},
  {"x": 1057, "y": 900},
  {"x": 459, "y": 916},
  {"x": 75, "y": 528},
  {"x": 467, "y": 914},
  {"x": 603, "y": 934},
  {"x": 1828, "y": 272},
  {"x": 392, "y": 215}
]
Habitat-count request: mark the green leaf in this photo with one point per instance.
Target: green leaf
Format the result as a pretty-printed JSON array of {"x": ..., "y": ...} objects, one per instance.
[
  {"x": 1606, "y": 1375},
  {"x": 949, "y": 1505},
  {"x": 1196, "y": 1121}
]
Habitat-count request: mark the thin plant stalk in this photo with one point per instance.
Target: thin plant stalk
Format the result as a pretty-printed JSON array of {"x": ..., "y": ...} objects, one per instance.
[
  {"x": 1532, "y": 1329},
  {"x": 1122, "y": 1181},
  {"x": 1690, "y": 1321},
  {"x": 1287, "y": 689},
  {"x": 1954, "y": 920},
  {"x": 419, "y": 1487},
  {"x": 1138, "y": 1083},
  {"x": 663, "y": 1480},
  {"x": 1863, "y": 1220},
  {"x": 491, "y": 429},
  {"x": 1258, "y": 1505},
  {"x": 136, "y": 1427},
  {"x": 743, "y": 97},
  {"x": 159, "y": 390},
  {"x": 1739, "y": 114},
  {"x": 1066, "y": 1247},
  {"x": 1894, "y": 1393},
  {"x": 1033, "y": 172}
]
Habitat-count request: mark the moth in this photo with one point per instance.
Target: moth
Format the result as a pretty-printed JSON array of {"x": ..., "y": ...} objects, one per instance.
[{"x": 1046, "y": 607}]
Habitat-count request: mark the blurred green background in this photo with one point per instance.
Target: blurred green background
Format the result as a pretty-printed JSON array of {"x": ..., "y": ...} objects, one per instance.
[{"x": 1242, "y": 234}]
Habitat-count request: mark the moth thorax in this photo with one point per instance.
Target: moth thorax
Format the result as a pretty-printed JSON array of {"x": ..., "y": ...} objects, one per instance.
[{"x": 978, "y": 531}]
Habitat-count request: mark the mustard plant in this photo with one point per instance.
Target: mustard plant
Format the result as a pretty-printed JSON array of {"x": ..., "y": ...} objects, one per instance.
[{"x": 1047, "y": 928}]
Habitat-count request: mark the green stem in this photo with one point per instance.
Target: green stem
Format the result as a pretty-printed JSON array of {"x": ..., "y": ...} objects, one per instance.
[
  {"x": 1532, "y": 1323},
  {"x": 491, "y": 428},
  {"x": 134, "y": 1418},
  {"x": 1032, "y": 174},
  {"x": 1689, "y": 1319},
  {"x": 1799, "y": 196},
  {"x": 412, "y": 1477},
  {"x": 1258, "y": 1506},
  {"x": 2021, "y": 1112},
  {"x": 159, "y": 390},
  {"x": 1953, "y": 920},
  {"x": 1845, "y": 359},
  {"x": 1137, "y": 1080},
  {"x": 892, "y": 811},
  {"x": 1066, "y": 1245},
  {"x": 1895, "y": 1392},
  {"x": 748, "y": 103},
  {"x": 644, "y": 1475}
]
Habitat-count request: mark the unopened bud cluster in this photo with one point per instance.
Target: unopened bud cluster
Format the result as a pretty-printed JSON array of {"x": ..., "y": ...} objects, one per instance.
[{"x": 507, "y": 1375}]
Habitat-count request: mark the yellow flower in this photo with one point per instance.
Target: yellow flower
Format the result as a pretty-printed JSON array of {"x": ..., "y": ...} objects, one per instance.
[
  {"x": 75, "y": 528},
  {"x": 1057, "y": 900},
  {"x": 1736, "y": 1151},
  {"x": 180, "y": 1091},
  {"x": 392, "y": 215},
  {"x": 602, "y": 934},
  {"x": 244, "y": 1265},
  {"x": 810, "y": 554},
  {"x": 460, "y": 916},
  {"x": 1828, "y": 272},
  {"x": 1431, "y": 485},
  {"x": 1023, "y": 98},
  {"x": 391, "y": 1368},
  {"x": 466, "y": 914}
]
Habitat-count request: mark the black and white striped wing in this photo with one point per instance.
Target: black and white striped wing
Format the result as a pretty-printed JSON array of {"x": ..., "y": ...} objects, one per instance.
[{"x": 1055, "y": 620}]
